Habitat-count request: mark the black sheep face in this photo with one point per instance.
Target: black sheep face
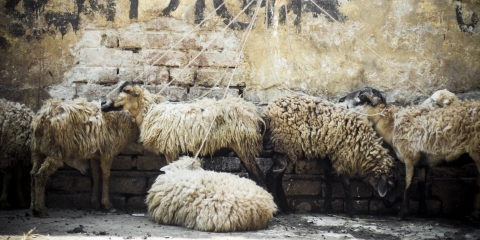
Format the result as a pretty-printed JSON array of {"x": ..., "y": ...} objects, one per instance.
[{"x": 366, "y": 95}]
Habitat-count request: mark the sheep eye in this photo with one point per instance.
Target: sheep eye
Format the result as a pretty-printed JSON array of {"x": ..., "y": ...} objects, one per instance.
[
  {"x": 126, "y": 91},
  {"x": 342, "y": 99}
]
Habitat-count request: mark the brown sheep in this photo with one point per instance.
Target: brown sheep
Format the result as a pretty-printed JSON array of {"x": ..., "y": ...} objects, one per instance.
[
  {"x": 76, "y": 129},
  {"x": 423, "y": 136},
  {"x": 180, "y": 128},
  {"x": 15, "y": 119}
]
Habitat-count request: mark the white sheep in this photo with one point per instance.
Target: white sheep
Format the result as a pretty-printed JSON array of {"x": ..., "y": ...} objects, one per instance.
[
  {"x": 76, "y": 129},
  {"x": 15, "y": 119},
  {"x": 440, "y": 98},
  {"x": 189, "y": 196},
  {"x": 305, "y": 126},
  {"x": 423, "y": 135},
  {"x": 172, "y": 129}
]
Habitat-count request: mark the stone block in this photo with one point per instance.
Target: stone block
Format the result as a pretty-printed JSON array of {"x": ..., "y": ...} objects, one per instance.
[
  {"x": 171, "y": 93},
  {"x": 158, "y": 40},
  {"x": 130, "y": 73},
  {"x": 217, "y": 93},
  {"x": 456, "y": 195},
  {"x": 93, "y": 75},
  {"x": 68, "y": 201},
  {"x": 137, "y": 202},
  {"x": 302, "y": 187},
  {"x": 59, "y": 182},
  {"x": 93, "y": 91},
  {"x": 361, "y": 206},
  {"x": 309, "y": 167},
  {"x": 212, "y": 77},
  {"x": 210, "y": 40},
  {"x": 222, "y": 164},
  {"x": 181, "y": 76},
  {"x": 337, "y": 191},
  {"x": 155, "y": 75},
  {"x": 111, "y": 38},
  {"x": 91, "y": 39},
  {"x": 83, "y": 183},
  {"x": 377, "y": 207},
  {"x": 119, "y": 202},
  {"x": 128, "y": 185},
  {"x": 131, "y": 40},
  {"x": 134, "y": 148},
  {"x": 150, "y": 163},
  {"x": 361, "y": 190},
  {"x": 164, "y": 58},
  {"x": 122, "y": 163},
  {"x": 230, "y": 41},
  {"x": 216, "y": 59}
]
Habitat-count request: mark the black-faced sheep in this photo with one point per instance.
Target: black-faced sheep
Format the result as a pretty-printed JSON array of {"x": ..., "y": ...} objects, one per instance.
[
  {"x": 76, "y": 129},
  {"x": 15, "y": 119},
  {"x": 313, "y": 128},
  {"x": 172, "y": 129},
  {"x": 423, "y": 136},
  {"x": 189, "y": 196}
]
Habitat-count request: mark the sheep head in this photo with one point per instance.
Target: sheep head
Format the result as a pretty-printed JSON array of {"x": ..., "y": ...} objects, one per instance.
[
  {"x": 127, "y": 96},
  {"x": 440, "y": 98},
  {"x": 365, "y": 96},
  {"x": 184, "y": 163}
]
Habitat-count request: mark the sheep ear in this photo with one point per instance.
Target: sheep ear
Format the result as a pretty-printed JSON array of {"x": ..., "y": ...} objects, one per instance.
[
  {"x": 382, "y": 186},
  {"x": 164, "y": 169}
]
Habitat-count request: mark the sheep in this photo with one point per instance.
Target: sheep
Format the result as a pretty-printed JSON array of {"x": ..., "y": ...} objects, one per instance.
[
  {"x": 189, "y": 196},
  {"x": 15, "y": 132},
  {"x": 305, "y": 126},
  {"x": 172, "y": 129},
  {"x": 423, "y": 137},
  {"x": 440, "y": 98},
  {"x": 76, "y": 129}
]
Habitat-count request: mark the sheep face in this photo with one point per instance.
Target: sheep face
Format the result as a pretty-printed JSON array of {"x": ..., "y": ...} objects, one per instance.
[
  {"x": 440, "y": 98},
  {"x": 183, "y": 163},
  {"x": 125, "y": 97},
  {"x": 365, "y": 96}
]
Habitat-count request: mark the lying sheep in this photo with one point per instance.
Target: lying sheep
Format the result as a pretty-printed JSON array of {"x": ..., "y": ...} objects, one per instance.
[
  {"x": 76, "y": 129},
  {"x": 440, "y": 98},
  {"x": 304, "y": 126},
  {"x": 188, "y": 196},
  {"x": 423, "y": 136},
  {"x": 172, "y": 129},
  {"x": 15, "y": 121}
]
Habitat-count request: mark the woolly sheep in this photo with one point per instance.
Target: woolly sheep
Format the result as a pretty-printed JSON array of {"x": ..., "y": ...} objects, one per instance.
[
  {"x": 76, "y": 129},
  {"x": 189, "y": 196},
  {"x": 422, "y": 135},
  {"x": 172, "y": 129},
  {"x": 440, "y": 98},
  {"x": 15, "y": 121},
  {"x": 305, "y": 126}
]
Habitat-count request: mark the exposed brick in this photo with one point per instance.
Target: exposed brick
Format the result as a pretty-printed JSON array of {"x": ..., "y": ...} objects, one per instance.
[
  {"x": 83, "y": 184},
  {"x": 222, "y": 164},
  {"x": 175, "y": 94},
  {"x": 337, "y": 191},
  {"x": 90, "y": 39},
  {"x": 96, "y": 75},
  {"x": 131, "y": 40},
  {"x": 155, "y": 75},
  {"x": 118, "y": 202},
  {"x": 137, "y": 202},
  {"x": 164, "y": 58},
  {"x": 111, "y": 38},
  {"x": 150, "y": 163},
  {"x": 361, "y": 206},
  {"x": 209, "y": 39},
  {"x": 60, "y": 182},
  {"x": 217, "y": 93},
  {"x": 122, "y": 163},
  {"x": 161, "y": 40},
  {"x": 378, "y": 208},
  {"x": 134, "y": 148},
  {"x": 456, "y": 195},
  {"x": 182, "y": 76},
  {"x": 302, "y": 187},
  {"x": 93, "y": 91},
  {"x": 304, "y": 166},
  {"x": 217, "y": 59},
  {"x": 169, "y": 24},
  {"x": 210, "y": 77},
  {"x": 128, "y": 185},
  {"x": 361, "y": 189},
  {"x": 129, "y": 73}
]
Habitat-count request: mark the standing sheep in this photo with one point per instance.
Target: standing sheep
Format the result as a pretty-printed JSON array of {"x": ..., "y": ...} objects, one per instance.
[
  {"x": 172, "y": 129},
  {"x": 76, "y": 129},
  {"x": 423, "y": 136},
  {"x": 189, "y": 196},
  {"x": 15, "y": 119},
  {"x": 313, "y": 128}
]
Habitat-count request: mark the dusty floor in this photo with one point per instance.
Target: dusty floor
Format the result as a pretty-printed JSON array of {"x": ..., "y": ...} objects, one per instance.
[{"x": 77, "y": 224}]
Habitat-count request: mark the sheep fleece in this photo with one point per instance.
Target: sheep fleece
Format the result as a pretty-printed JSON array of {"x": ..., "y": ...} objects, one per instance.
[
  {"x": 311, "y": 127},
  {"x": 209, "y": 201},
  {"x": 175, "y": 128}
]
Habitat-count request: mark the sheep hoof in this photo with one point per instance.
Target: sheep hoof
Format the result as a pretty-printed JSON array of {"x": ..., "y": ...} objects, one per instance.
[{"x": 401, "y": 216}]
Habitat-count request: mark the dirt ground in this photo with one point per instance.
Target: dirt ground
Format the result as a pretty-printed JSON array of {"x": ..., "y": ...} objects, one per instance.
[{"x": 80, "y": 224}]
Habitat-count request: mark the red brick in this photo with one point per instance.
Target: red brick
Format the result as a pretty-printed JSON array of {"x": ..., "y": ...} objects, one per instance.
[
  {"x": 122, "y": 163},
  {"x": 150, "y": 163}
]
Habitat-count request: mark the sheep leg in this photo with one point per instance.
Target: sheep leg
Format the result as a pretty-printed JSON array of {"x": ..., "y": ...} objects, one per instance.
[
  {"x": 410, "y": 170},
  {"x": 348, "y": 197},
  {"x": 476, "y": 210},
  {"x": 21, "y": 200},
  {"x": 274, "y": 181},
  {"x": 7, "y": 177},
  {"x": 36, "y": 160},
  {"x": 327, "y": 173},
  {"x": 106, "y": 164},
  {"x": 96, "y": 183},
  {"x": 422, "y": 206},
  {"x": 41, "y": 177}
]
